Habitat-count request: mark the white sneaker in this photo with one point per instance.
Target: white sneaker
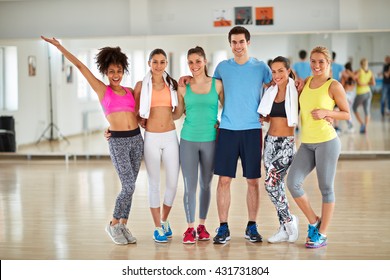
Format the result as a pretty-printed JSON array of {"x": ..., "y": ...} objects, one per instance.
[
  {"x": 116, "y": 234},
  {"x": 127, "y": 234},
  {"x": 280, "y": 236},
  {"x": 292, "y": 229}
]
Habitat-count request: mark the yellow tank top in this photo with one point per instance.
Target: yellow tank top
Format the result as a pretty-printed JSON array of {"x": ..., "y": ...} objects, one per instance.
[
  {"x": 364, "y": 78},
  {"x": 316, "y": 131}
]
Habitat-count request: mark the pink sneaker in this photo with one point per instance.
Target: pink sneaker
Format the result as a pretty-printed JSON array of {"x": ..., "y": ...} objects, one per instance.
[
  {"x": 189, "y": 236},
  {"x": 203, "y": 235}
]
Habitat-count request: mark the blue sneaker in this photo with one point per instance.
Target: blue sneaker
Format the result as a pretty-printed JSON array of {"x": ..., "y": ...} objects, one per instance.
[
  {"x": 167, "y": 229},
  {"x": 313, "y": 230},
  {"x": 159, "y": 235},
  {"x": 362, "y": 129},
  {"x": 316, "y": 241},
  {"x": 252, "y": 235},
  {"x": 223, "y": 235}
]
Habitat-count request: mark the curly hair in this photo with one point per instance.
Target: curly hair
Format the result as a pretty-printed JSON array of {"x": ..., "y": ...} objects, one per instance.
[{"x": 108, "y": 56}]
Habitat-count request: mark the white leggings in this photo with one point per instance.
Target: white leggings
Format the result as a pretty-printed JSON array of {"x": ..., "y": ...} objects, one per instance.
[{"x": 161, "y": 146}]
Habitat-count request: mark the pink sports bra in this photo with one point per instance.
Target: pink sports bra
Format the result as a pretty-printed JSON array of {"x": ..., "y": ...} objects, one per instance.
[{"x": 113, "y": 102}]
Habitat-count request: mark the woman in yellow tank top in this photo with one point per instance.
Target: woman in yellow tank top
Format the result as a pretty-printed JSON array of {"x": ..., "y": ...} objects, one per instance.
[
  {"x": 320, "y": 145},
  {"x": 365, "y": 79}
]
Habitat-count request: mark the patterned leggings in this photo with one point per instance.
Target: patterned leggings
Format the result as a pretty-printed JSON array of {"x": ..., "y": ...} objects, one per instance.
[
  {"x": 126, "y": 155},
  {"x": 278, "y": 155}
]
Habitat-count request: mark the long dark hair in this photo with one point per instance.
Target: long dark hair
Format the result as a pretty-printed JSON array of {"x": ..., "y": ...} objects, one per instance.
[
  {"x": 286, "y": 63},
  {"x": 199, "y": 51},
  {"x": 107, "y": 56},
  {"x": 172, "y": 82}
]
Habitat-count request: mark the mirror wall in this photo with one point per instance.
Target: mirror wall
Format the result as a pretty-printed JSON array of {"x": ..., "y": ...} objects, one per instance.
[{"x": 75, "y": 115}]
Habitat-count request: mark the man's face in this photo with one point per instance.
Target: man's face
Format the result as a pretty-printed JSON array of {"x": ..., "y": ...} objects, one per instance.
[{"x": 239, "y": 45}]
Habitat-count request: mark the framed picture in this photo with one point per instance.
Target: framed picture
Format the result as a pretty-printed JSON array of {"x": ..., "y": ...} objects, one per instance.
[
  {"x": 264, "y": 16},
  {"x": 32, "y": 65},
  {"x": 243, "y": 15},
  {"x": 222, "y": 17}
]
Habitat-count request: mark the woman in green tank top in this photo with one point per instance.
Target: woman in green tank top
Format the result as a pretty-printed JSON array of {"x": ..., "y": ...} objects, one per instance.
[{"x": 197, "y": 141}]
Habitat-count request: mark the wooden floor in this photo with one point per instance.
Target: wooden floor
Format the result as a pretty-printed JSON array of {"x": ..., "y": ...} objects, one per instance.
[{"x": 56, "y": 208}]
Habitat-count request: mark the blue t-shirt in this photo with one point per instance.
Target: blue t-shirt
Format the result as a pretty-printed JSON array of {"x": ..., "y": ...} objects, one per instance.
[
  {"x": 302, "y": 69},
  {"x": 242, "y": 86},
  {"x": 336, "y": 71}
]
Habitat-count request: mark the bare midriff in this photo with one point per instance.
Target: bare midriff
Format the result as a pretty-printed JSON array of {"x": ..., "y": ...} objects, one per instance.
[
  {"x": 160, "y": 119},
  {"x": 279, "y": 128}
]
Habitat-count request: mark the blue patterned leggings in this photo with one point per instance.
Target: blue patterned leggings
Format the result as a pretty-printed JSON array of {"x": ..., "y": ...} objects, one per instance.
[
  {"x": 126, "y": 154},
  {"x": 278, "y": 155}
]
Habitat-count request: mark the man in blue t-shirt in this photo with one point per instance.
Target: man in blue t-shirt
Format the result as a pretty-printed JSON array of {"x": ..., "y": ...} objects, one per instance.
[
  {"x": 240, "y": 134},
  {"x": 302, "y": 68},
  {"x": 386, "y": 87},
  {"x": 336, "y": 68}
]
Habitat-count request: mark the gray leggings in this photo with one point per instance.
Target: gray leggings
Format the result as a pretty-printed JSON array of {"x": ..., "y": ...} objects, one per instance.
[
  {"x": 194, "y": 156},
  {"x": 323, "y": 157},
  {"x": 365, "y": 100},
  {"x": 126, "y": 155}
]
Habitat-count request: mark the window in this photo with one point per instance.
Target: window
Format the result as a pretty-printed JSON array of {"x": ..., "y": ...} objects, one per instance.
[
  {"x": 2, "y": 79},
  {"x": 8, "y": 79}
]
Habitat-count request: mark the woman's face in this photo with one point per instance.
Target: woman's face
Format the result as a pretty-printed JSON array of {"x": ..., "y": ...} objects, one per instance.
[
  {"x": 158, "y": 64},
  {"x": 115, "y": 74},
  {"x": 318, "y": 63},
  {"x": 280, "y": 73},
  {"x": 196, "y": 63}
]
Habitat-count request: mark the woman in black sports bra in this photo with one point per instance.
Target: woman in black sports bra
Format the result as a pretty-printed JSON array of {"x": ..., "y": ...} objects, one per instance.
[{"x": 279, "y": 150}]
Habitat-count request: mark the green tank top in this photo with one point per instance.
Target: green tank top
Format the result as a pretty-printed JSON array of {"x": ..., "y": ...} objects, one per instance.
[{"x": 201, "y": 115}]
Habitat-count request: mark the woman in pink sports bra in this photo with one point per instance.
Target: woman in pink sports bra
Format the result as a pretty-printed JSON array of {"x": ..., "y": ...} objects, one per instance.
[{"x": 125, "y": 143}]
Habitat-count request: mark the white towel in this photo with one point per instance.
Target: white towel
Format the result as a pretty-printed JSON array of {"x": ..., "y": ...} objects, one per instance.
[
  {"x": 146, "y": 95},
  {"x": 290, "y": 104}
]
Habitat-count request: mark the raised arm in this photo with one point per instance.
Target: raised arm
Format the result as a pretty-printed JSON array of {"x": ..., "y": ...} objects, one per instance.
[{"x": 98, "y": 86}]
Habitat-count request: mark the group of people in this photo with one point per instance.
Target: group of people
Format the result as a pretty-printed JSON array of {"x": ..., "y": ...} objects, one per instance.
[{"x": 209, "y": 147}]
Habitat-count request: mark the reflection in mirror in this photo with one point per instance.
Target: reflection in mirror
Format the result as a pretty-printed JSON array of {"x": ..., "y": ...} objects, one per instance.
[{"x": 30, "y": 119}]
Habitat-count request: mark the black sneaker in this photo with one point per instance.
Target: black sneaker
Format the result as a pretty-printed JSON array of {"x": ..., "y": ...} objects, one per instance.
[
  {"x": 252, "y": 235},
  {"x": 223, "y": 235}
]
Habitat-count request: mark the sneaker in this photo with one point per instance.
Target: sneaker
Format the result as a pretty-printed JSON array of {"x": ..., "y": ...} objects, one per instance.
[
  {"x": 203, "y": 234},
  {"x": 127, "y": 234},
  {"x": 312, "y": 230},
  {"x": 116, "y": 234},
  {"x": 223, "y": 235},
  {"x": 252, "y": 235},
  {"x": 280, "y": 236},
  {"x": 292, "y": 229},
  {"x": 362, "y": 129},
  {"x": 316, "y": 241},
  {"x": 159, "y": 235},
  {"x": 167, "y": 228},
  {"x": 189, "y": 236}
]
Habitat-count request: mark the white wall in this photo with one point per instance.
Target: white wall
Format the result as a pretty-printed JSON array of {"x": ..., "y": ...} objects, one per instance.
[
  {"x": 146, "y": 22},
  {"x": 90, "y": 18}
]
